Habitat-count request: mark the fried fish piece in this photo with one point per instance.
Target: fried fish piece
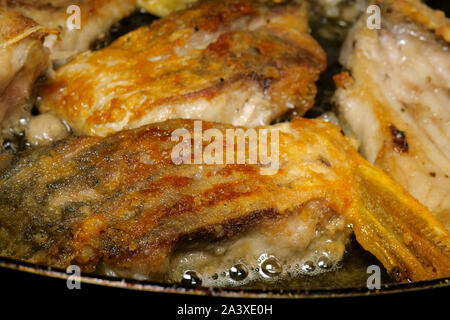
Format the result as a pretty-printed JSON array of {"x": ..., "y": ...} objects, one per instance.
[
  {"x": 397, "y": 99},
  {"x": 241, "y": 62},
  {"x": 163, "y": 7},
  {"x": 123, "y": 203},
  {"x": 23, "y": 59},
  {"x": 96, "y": 17},
  {"x": 347, "y": 10}
]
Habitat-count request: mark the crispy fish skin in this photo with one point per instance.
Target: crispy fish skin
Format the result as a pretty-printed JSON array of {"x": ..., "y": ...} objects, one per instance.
[
  {"x": 23, "y": 58},
  {"x": 347, "y": 10},
  {"x": 163, "y": 7},
  {"x": 121, "y": 201},
  {"x": 396, "y": 98},
  {"x": 96, "y": 17},
  {"x": 241, "y": 62}
]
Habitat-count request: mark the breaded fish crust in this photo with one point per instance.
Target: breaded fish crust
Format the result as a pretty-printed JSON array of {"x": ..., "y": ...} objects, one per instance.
[
  {"x": 241, "y": 62},
  {"x": 121, "y": 201}
]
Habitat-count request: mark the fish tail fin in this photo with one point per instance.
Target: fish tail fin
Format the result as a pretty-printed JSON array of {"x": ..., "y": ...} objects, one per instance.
[{"x": 398, "y": 230}]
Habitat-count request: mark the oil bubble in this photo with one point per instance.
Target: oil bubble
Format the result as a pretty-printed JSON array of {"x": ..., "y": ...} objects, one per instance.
[
  {"x": 271, "y": 267},
  {"x": 238, "y": 272},
  {"x": 308, "y": 266},
  {"x": 324, "y": 263},
  {"x": 191, "y": 279}
]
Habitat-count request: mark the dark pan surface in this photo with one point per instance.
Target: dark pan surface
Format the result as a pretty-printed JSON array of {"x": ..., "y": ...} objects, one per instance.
[
  {"x": 223, "y": 292},
  {"x": 349, "y": 281}
]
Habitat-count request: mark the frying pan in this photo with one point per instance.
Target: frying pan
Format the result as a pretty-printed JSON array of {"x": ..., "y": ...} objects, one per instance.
[{"x": 348, "y": 281}]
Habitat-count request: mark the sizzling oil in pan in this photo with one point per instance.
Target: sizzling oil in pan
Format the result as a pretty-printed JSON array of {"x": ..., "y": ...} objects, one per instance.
[{"x": 351, "y": 273}]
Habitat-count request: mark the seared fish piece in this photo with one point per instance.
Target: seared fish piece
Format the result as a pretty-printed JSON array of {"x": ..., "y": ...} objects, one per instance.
[
  {"x": 397, "y": 99},
  {"x": 96, "y": 17},
  {"x": 163, "y": 7},
  {"x": 347, "y": 10},
  {"x": 23, "y": 59},
  {"x": 236, "y": 61},
  {"x": 120, "y": 203}
]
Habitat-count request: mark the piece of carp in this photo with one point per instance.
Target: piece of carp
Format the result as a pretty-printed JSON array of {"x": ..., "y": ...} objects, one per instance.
[
  {"x": 125, "y": 205},
  {"x": 396, "y": 98},
  {"x": 241, "y": 62}
]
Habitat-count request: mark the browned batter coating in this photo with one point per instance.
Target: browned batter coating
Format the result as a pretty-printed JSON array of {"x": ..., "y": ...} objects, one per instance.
[
  {"x": 120, "y": 201},
  {"x": 241, "y": 62}
]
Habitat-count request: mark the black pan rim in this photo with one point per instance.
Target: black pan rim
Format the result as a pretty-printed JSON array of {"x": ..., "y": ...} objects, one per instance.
[{"x": 226, "y": 292}]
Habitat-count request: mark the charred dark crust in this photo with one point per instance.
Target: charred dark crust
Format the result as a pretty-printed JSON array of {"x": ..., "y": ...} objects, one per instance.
[
  {"x": 399, "y": 140},
  {"x": 398, "y": 275}
]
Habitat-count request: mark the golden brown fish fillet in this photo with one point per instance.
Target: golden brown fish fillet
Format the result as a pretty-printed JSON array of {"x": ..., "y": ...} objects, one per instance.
[
  {"x": 120, "y": 202},
  {"x": 23, "y": 59},
  {"x": 96, "y": 17},
  {"x": 236, "y": 61},
  {"x": 164, "y": 7},
  {"x": 397, "y": 99},
  {"x": 347, "y": 10}
]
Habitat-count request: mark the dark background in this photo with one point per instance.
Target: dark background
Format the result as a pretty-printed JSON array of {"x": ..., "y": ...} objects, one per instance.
[
  {"x": 41, "y": 296},
  {"x": 440, "y": 4}
]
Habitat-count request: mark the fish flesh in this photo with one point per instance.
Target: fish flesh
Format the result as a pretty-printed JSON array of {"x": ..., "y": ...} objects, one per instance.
[
  {"x": 241, "y": 62},
  {"x": 78, "y": 22},
  {"x": 23, "y": 58},
  {"x": 123, "y": 204},
  {"x": 162, "y": 8},
  {"x": 346, "y": 10},
  {"x": 395, "y": 98}
]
